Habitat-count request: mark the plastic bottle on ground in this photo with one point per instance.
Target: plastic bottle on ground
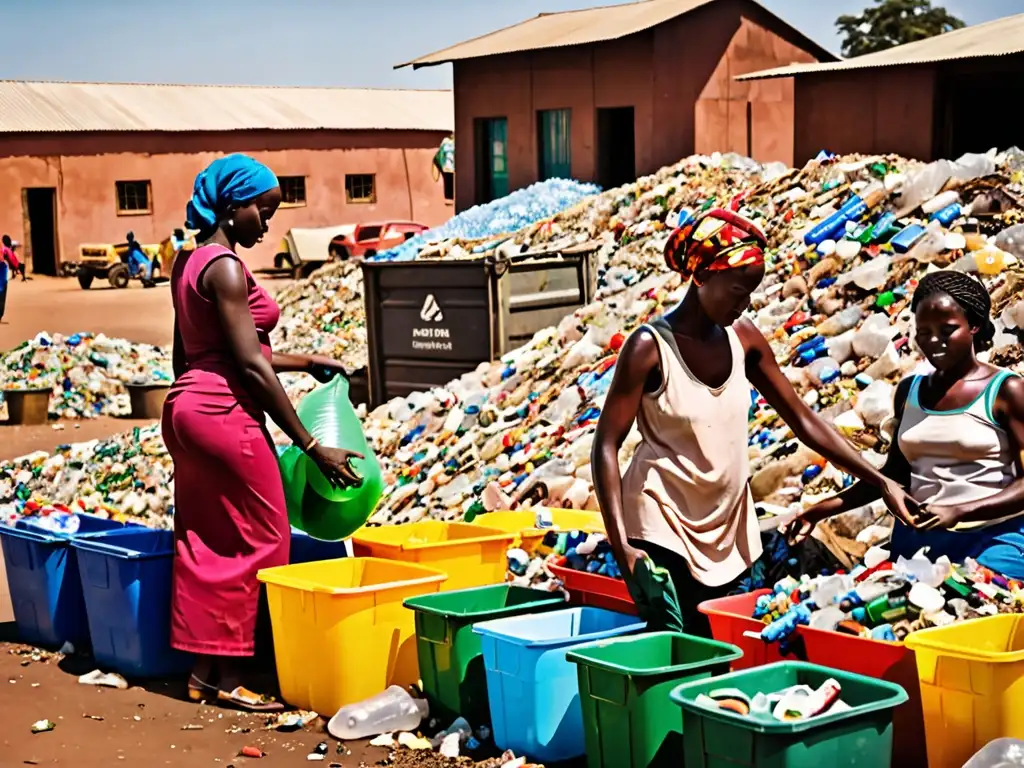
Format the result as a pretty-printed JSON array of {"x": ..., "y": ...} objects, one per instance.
[{"x": 395, "y": 709}]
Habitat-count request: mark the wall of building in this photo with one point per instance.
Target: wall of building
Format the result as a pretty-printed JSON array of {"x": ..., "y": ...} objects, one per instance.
[
  {"x": 84, "y": 169},
  {"x": 866, "y": 111},
  {"x": 677, "y": 77}
]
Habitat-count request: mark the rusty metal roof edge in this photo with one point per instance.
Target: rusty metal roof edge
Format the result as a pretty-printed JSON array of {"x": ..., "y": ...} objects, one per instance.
[
  {"x": 428, "y": 60},
  {"x": 917, "y": 56},
  {"x": 9, "y": 135},
  {"x": 795, "y": 70},
  {"x": 420, "y": 61},
  {"x": 226, "y": 86}
]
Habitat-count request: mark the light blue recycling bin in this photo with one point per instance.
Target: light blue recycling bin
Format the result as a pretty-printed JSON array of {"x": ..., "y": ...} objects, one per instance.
[{"x": 533, "y": 691}]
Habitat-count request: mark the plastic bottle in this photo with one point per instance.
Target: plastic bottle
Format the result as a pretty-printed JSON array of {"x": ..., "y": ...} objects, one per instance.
[
  {"x": 392, "y": 710},
  {"x": 841, "y": 322},
  {"x": 1001, "y": 753},
  {"x": 314, "y": 505},
  {"x": 906, "y": 239},
  {"x": 834, "y": 226}
]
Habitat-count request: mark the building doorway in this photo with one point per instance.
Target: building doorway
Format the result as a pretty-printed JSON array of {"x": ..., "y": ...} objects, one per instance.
[
  {"x": 40, "y": 206},
  {"x": 616, "y": 147},
  {"x": 491, "y": 144}
]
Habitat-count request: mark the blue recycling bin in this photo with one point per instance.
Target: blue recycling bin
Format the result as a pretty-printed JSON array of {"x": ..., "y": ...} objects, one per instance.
[
  {"x": 533, "y": 690},
  {"x": 42, "y": 574},
  {"x": 126, "y": 586},
  {"x": 306, "y": 549}
]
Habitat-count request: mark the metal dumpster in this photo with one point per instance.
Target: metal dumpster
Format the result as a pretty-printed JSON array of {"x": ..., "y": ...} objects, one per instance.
[{"x": 429, "y": 322}]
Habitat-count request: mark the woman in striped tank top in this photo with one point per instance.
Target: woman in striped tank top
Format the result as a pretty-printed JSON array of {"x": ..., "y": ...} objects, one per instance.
[{"x": 960, "y": 438}]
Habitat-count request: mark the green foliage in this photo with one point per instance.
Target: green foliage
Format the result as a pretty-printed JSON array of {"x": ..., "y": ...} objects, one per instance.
[{"x": 889, "y": 23}]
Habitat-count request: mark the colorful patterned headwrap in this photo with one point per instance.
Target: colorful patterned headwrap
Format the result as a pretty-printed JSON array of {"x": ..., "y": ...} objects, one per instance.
[{"x": 715, "y": 240}]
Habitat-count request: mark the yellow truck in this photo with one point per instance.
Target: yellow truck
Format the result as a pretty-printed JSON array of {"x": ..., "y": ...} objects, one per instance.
[{"x": 109, "y": 261}]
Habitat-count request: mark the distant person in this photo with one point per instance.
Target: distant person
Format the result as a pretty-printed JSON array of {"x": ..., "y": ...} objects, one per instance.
[
  {"x": 3, "y": 287},
  {"x": 230, "y": 518},
  {"x": 139, "y": 264},
  {"x": 11, "y": 257}
]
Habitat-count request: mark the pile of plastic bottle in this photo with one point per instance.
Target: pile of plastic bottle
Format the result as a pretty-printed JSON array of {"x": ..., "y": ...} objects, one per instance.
[
  {"x": 508, "y": 214},
  {"x": 849, "y": 238},
  {"x": 587, "y": 552},
  {"x": 883, "y": 600},
  {"x": 85, "y": 373},
  {"x": 126, "y": 477},
  {"x": 835, "y": 310}
]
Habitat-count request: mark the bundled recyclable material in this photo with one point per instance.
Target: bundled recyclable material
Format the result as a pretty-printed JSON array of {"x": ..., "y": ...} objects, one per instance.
[
  {"x": 85, "y": 373},
  {"x": 504, "y": 216}
]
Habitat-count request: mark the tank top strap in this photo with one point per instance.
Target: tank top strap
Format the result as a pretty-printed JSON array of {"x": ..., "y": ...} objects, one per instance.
[
  {"x": 913, "y": 399},
  {"x": 992, "y": 392}
]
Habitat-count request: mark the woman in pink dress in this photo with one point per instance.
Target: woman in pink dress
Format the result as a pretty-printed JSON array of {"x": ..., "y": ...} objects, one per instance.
[{"x": 230, "y": 516}]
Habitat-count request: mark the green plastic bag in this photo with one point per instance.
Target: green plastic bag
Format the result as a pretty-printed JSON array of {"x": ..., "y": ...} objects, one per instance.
[{"x": 314, "y": 505}]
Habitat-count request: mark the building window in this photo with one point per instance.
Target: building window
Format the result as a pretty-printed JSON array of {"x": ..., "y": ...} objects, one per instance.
[
  {"x": 293, "y": 191},
  {"x": 360, "y": 188},
  {"x": 134, "y": 198},
  {"x": 554, "y": 143}
]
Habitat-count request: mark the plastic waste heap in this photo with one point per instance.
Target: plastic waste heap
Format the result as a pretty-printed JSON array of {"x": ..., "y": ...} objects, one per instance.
[{"x": 849, "y": 238}]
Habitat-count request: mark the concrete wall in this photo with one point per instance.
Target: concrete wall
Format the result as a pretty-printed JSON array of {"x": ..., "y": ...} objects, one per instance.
[
  {"x": 83, "y": 168},
  {"x": 677, "y": 77},
  {"x": 867, "y": 111}
]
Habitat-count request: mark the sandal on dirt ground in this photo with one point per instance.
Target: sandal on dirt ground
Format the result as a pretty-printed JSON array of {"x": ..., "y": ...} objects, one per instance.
[{"x": 243, "y": 698}]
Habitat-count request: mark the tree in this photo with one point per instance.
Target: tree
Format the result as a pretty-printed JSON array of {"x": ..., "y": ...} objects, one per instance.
[{"x": 893, "y": 22}]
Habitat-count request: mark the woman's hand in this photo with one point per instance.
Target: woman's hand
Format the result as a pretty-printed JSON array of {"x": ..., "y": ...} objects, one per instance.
[
  {"x": 900, "y": 503},
  {"x": 799, "y": 528},
  {"x": 336, "y": 464},
  {"x": 941, "y": 516},
  {"x": 323, "y": 368}
]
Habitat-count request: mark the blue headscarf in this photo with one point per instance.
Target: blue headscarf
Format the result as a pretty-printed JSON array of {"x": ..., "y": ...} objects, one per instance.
[{"x": 226, "y": 181}]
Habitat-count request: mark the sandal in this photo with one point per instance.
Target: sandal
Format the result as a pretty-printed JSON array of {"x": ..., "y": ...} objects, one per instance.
[
  {"x": 200, "y": 691},
  {"x": 243, "y": 698}
]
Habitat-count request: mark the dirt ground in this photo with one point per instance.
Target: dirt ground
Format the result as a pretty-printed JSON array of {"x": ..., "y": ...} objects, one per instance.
[{"x": 102, "y": 727}]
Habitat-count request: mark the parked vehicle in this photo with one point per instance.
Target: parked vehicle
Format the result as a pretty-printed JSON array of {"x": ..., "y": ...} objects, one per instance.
[
  {"x": 109, "y": 261},
  {"x": 303, "y": 250},
  {"x": 367, "y": 240}
]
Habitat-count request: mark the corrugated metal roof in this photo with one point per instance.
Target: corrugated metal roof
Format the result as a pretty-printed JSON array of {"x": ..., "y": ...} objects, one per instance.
[
  {"x": 33, "y": 107},
  {"x": 593, "y": 25},
  {"x": 1000, "y": 37}
]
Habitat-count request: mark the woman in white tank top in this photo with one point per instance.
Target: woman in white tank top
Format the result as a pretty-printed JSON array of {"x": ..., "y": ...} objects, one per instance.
[
  {"x": 959, "y": 439},
  {"x": 684, "y": 502}
]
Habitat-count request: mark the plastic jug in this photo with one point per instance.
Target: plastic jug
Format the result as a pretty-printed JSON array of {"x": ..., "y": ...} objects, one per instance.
[
  {"x": 391, "y": 710},
  {"x": 1001, "y": 753},
  {"x": 314, "y": 505}
]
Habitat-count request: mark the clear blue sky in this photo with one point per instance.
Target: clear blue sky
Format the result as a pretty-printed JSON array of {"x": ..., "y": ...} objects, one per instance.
[{"x": 304, "y": 42}]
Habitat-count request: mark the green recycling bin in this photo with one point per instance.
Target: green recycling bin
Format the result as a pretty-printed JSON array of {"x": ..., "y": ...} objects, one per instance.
[
  {"x": 860, "y": 737},
  {"x": 450, "y": 655},
  {"x": 628, "y": 720}
]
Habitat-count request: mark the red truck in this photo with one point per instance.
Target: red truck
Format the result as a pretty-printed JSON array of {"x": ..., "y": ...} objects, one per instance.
[{"x": 367, "y": 240}]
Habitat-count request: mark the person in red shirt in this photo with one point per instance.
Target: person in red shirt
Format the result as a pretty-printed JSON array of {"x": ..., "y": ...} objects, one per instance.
[{"x": 11, "y": 258}]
